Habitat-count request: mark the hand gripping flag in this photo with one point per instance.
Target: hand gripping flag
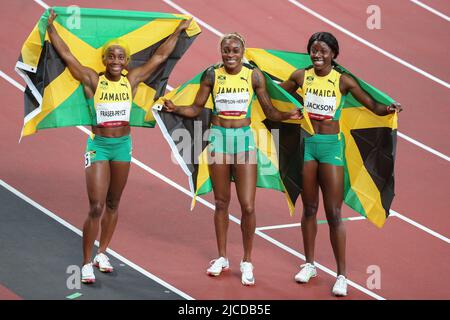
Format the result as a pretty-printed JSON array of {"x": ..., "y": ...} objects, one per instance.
[
  {"x": 188, "y": 140},
  {"x": 53, "y": 98},
  {"x": 370, "y": 140}
]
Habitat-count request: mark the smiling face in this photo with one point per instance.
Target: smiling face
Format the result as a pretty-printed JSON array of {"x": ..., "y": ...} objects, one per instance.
[
  {"x": 232, "y": 52},
  {"x": 115, "y": 60},
  {"x": 321, "y": 56}
]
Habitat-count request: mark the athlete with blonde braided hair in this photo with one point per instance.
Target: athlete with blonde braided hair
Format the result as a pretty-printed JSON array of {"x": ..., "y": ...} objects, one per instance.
[{"x": 108, "y": 154}]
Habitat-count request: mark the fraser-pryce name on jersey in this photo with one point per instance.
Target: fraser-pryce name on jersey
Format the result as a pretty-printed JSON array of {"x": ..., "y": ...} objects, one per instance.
[{"x": 113, "y": 113}]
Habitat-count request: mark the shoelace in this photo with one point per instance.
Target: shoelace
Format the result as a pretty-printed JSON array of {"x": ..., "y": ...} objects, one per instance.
[
  {"x": 87, "y": 266},
  {"x": 341, "y": 280},
  {"x": 247, "y": 267},
  {"x": 213, "y": 261},
  {"x": 308, "y": 265},
  {"x": 103, "y": 258}
]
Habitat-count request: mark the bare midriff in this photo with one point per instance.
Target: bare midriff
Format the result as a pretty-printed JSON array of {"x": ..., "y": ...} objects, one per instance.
[
  {"x": 230, "y": 123},
  {"x": 325, "y": 126},
  {"x": 112, "y": 132}
]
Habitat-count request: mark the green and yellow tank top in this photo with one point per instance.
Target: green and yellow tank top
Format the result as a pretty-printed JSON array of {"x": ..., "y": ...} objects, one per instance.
[
  {"x": 233, "y": 93},
  {"x": 111, "y": 105},
  {"x": 322, "y": 97}
]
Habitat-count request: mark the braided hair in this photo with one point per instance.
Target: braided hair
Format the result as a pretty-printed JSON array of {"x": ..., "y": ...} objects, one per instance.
[{"x": 233, "y": 35}]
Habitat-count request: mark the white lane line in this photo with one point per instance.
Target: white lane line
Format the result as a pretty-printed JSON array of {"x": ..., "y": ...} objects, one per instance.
[
  {"x": 371, "y": 45},
  {"x": 42, "y": 3},
  {"x": 80, "y": 233},
  {"x": 280, "y": 226},
  {"x": 318, "y": 265},
  {"x": 259, "y": 233},
  {"x": 16, "y": 84},
  {"x": 215, "y": 31},
  {"x": 200, "y": 199},
  {"x": 418, "y": 225},
  {"x": 392, "y": 214},
  {"x": 294, "y": 225},
  {"x": 199, "y": 21},
  {"x": 232, "y": 218},
  {"x": 423, "y": 146},
  {"x": 427, "y": 7},
  {"x": 355, "y": 218},
  {"x": 12, "y": 81},
  {"x": 211, "y": 206}
]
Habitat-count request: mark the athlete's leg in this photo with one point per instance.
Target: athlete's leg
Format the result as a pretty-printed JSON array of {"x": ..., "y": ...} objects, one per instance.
[
  {"x": 245, "y": 180},
  {"x": 310, "y": 199},
  {"x": 331, "y": 179},
  {"x": 97, "y": 182},
  {"x": 219, "y": 172},
  {"x": 119, "y": 175}
]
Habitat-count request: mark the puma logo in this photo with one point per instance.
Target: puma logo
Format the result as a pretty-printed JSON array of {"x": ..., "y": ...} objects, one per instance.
[{"x": 332, "y": 82}]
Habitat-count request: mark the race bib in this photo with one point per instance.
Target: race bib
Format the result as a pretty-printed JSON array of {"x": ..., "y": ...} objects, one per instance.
[
  {"x": 88, "y": 156},
  {"x": 232, "y": 104},
  {"x": 324, "y": 106},
  {"x": 113, "y": 112}
]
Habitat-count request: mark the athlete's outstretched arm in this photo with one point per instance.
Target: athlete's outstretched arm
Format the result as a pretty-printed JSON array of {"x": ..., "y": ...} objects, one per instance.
[
  {"x": 139, "y": 74},
  {"x": 87, "y": 76},
  {"x": 294, "y": 82},
  {"x": 203, "y": 93},
  {"x": 349, "y": 84},
  {"x": 259, "y": 85}
]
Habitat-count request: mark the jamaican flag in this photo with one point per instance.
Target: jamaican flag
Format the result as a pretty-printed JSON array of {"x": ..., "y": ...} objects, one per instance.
[
  {"x": 188, "y": 140},
  {"x": 370, "y": 140},
  {"x": 53, "y": 98}
]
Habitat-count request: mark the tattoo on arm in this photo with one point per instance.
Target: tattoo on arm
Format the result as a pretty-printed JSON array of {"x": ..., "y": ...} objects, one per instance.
[
  {"x": 264, "y": 98},
  {"x": 256, "y": 79},
  {"x": 208, "y": 76}
]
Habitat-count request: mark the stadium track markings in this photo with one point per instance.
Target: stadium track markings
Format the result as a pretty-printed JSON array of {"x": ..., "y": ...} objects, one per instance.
[
  {"x": 212, "y": 207},
  {"x": 369, "y": 44},
  {"x": 432, "y": 10},
  {"x": 80, "y": 233},
  {"x": 220, "y": 34}
]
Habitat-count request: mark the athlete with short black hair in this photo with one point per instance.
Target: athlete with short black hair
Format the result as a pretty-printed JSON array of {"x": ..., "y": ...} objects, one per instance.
[{"x": 323, "y": 90}]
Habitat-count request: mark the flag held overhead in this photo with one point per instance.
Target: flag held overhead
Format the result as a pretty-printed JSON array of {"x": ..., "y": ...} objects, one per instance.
[{"x": 53, "y": 98}]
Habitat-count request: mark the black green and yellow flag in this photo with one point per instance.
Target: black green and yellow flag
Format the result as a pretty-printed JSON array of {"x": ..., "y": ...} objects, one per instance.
[
  {"x": 370, "y": 140},
  {"x": 188, "y": 140},
  {"x": 53, "y": 98}
]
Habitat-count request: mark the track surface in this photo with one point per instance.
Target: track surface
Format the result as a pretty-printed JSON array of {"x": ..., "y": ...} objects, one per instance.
[{"x": 157, "y": 232}]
